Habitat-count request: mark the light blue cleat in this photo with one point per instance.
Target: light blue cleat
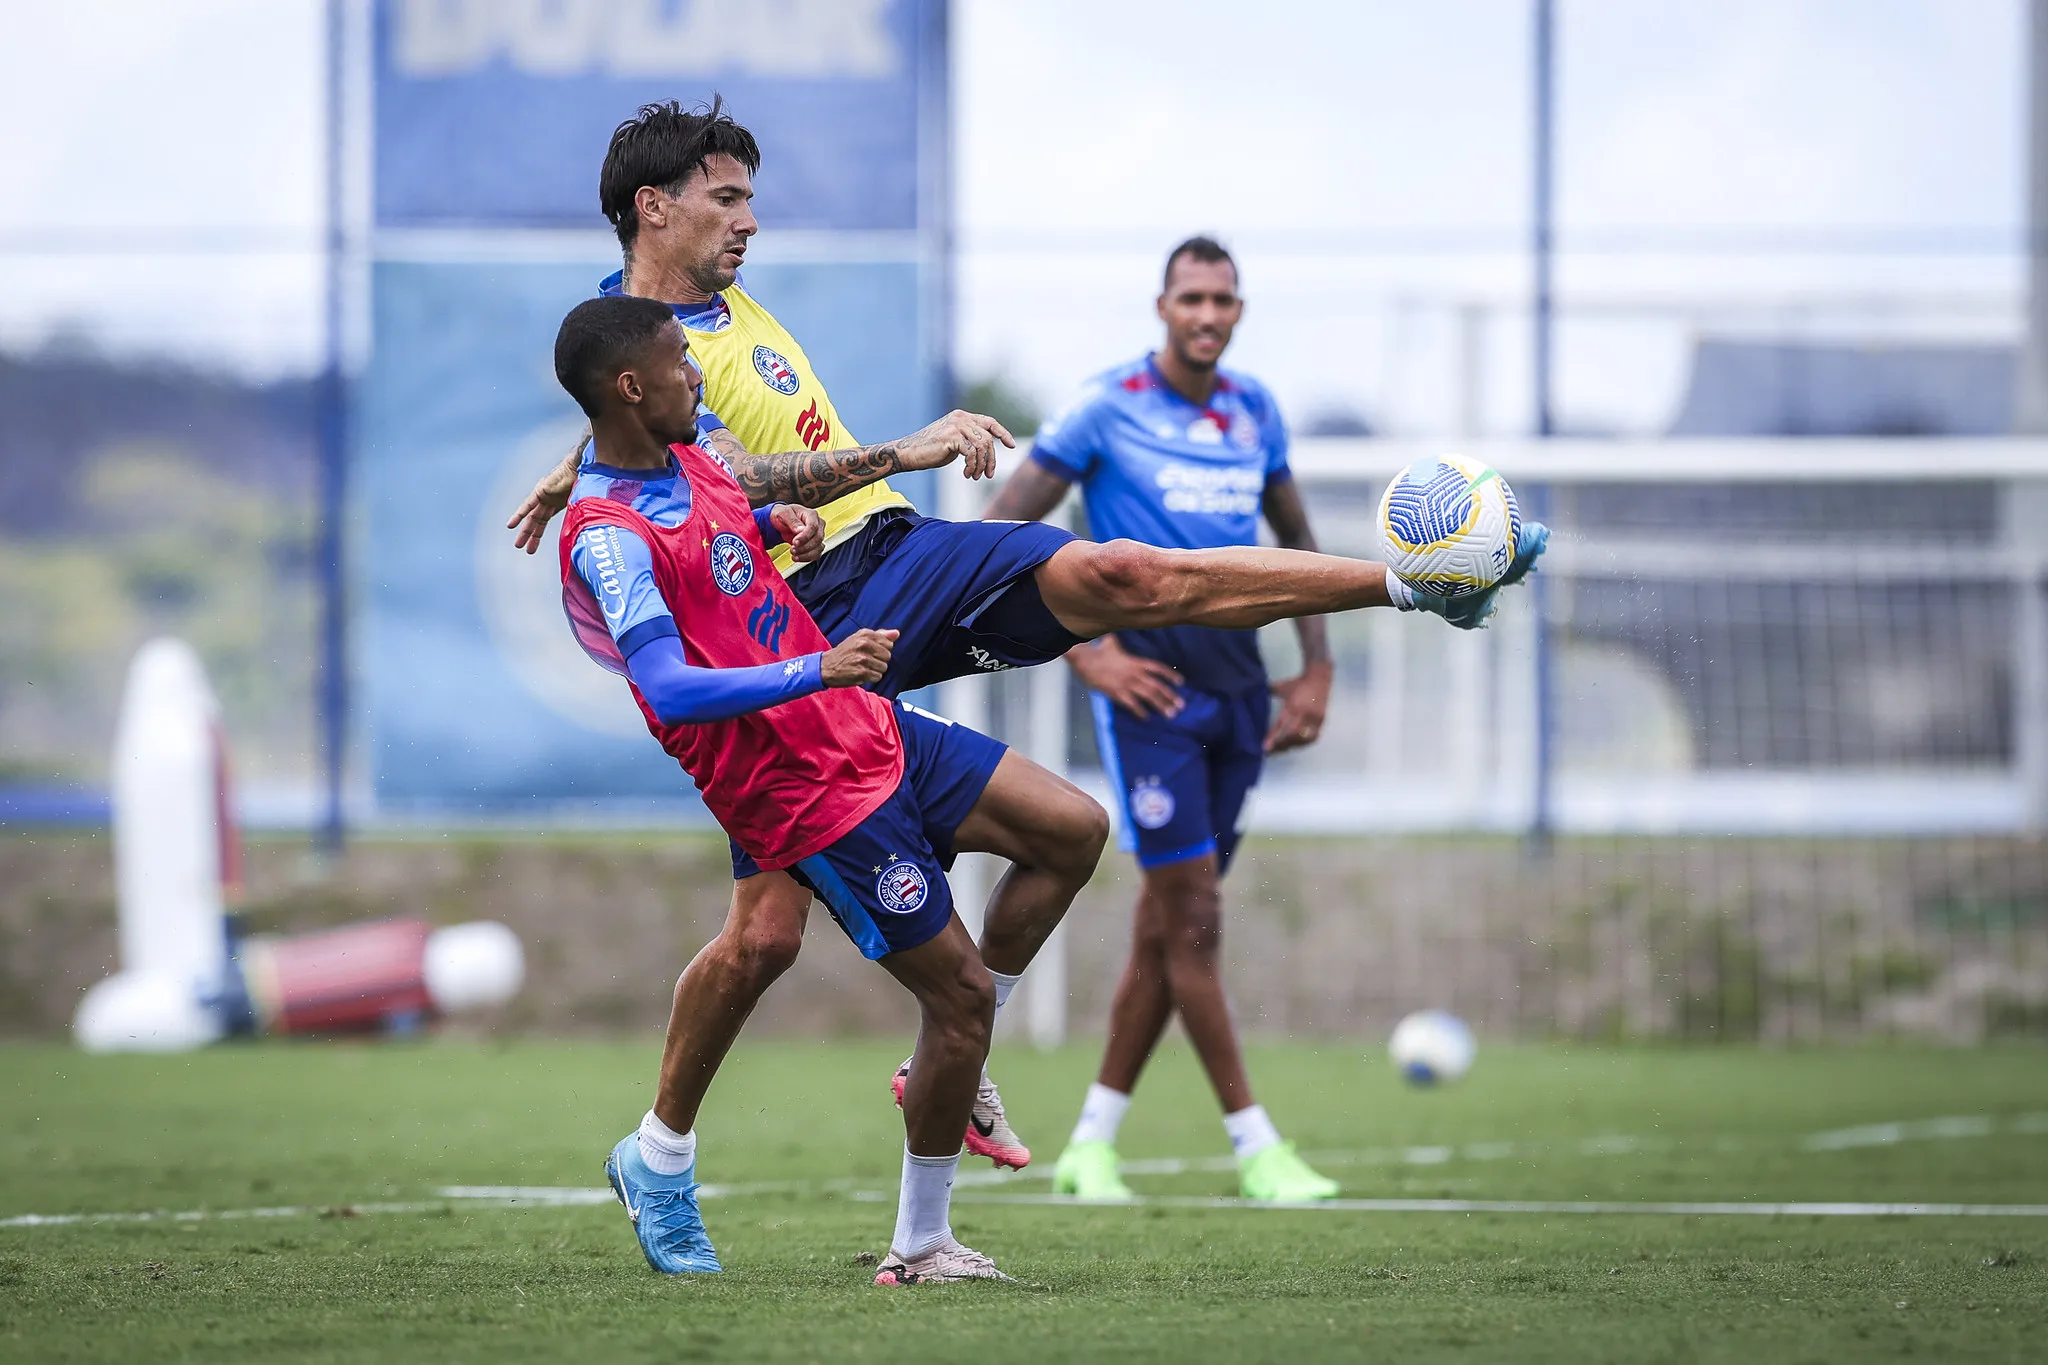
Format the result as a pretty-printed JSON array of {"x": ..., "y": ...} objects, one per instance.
[
  {"x": 664, "y": 1212},
  {"x": 1471, "y": 611}
]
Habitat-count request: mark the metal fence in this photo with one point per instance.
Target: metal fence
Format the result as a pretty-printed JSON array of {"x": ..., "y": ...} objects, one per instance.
[{"x": 1765, "y": 755}]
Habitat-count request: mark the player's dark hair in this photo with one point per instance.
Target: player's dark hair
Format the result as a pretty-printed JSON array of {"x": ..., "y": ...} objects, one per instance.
[
  {"x": 601, "y": 337},
  {"x": 660, "y": 146},
  {"x": 1205, "y": 249}
]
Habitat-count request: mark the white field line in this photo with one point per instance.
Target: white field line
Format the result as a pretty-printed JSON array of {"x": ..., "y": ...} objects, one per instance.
[
  {"x": 566, "y": 1196},
  {"x": 1544, "y": 1206}
]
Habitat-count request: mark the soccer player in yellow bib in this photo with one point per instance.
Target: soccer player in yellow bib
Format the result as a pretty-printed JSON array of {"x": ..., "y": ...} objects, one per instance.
[{"x": 966, "y": 597}]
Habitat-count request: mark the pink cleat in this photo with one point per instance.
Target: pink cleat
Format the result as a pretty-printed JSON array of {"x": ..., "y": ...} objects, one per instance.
[
  {"x": 988, "y": 1131},
  {"x": 946, "y": 1263}
]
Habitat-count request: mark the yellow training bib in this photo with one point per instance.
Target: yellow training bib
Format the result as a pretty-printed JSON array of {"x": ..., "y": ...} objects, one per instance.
[{"x": 759, "y": 382}]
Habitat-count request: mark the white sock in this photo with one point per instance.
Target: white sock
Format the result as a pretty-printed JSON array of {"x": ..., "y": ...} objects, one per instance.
[
  {"x": 1102, "y": 1113},
  {"x": 1251, "y": 1132},
  {"x": 922, "y": 1208},
  {"x": 666, "y": 1151},
  {"x": 1004, "y": 985}
]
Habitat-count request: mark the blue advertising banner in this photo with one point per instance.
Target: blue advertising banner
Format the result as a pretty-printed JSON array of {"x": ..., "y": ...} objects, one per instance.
[
  {"x": 491, "y": 121},
  {"x": 479, "y": 700},
  {"x": 497, "y": 112}
]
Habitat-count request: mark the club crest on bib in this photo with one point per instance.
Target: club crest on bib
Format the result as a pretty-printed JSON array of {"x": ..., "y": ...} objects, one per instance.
[
  {"x": 777, "y": 373},
  {"x": 902, "y": 888},
  {"x": 1151, "y": 803},
  {"x": 732, "y": 567}
]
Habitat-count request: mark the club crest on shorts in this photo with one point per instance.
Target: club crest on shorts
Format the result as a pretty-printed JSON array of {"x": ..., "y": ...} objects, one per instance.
[
  {"x": 902, "y": 888},
  {"x": 1151, "y": 803},
  {"x": 732, "y": 567},
  {"x": 777, "y": 373}
]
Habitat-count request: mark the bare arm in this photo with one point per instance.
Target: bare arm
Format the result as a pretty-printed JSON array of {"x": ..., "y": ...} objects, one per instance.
[
  {"x": 813, "y": 478},
  {"x": 1304, "y": 700},
  {"x": 1031, "y": 492},
  {"x": 808, "y": 478},
  {"x": 1289, "y": 519},
  {"x": 548, "y": 497}
]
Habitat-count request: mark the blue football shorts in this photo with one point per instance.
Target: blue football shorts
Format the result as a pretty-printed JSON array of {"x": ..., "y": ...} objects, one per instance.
[
  {"x": 1182, "y": 781},
  {"x": 961, "y": 593},
  {"x": 884, "y": 880}
]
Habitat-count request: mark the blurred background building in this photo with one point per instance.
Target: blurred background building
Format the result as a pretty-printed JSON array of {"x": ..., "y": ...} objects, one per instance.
[{"x": 276, "y": 284}]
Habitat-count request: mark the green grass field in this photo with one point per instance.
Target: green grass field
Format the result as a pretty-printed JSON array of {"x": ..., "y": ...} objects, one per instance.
[{"x": 330, "y": 1133}]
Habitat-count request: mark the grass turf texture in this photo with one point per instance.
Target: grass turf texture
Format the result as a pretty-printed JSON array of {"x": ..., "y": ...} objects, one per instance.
[{"x": 332, "y": 1126}]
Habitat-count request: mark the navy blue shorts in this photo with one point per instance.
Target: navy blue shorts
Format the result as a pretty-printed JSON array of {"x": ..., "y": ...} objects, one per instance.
[
  {"x": 885, "y": 879},
  {"x": 961, "y": 593},
  {"x": 1183, "y": 781}
]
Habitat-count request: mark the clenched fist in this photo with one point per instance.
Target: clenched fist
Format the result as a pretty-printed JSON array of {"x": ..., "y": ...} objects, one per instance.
[{"x": 859, "y": 659}]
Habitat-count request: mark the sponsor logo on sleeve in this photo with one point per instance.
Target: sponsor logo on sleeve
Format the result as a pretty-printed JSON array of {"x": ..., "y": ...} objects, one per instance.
[
  {"x": 732, "y": 564},
  {"x": 601, "y": 543}
]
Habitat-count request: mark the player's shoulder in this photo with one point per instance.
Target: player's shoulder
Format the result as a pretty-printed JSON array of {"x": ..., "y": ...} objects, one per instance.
[
  {"x": 1098, "y": 393},
  {"x": 1255, "y": 395}
]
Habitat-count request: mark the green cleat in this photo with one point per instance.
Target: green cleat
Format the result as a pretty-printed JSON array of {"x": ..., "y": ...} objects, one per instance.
[
  {"x": 1278, "y": 1176},
  {"x": 1087, "y": 1170}
]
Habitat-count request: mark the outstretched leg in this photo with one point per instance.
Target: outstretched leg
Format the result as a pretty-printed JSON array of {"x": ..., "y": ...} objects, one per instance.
[{"x": 1095, "y": 588}]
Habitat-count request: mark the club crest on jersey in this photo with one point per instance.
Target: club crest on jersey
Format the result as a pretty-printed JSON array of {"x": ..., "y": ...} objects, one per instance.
[
  {"x": 1151, "y": 804},
  {"x": 777, "y": 373},
  {"x": 732, "y": 567},
  {"x": 902, "y": 888}
]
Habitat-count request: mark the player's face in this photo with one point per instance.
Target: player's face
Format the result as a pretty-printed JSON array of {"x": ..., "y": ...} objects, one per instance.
[
  {"x": 711, "y": 222},
  {"x": 669, "y": 387},
  {"x": 1200, "y": 309}
]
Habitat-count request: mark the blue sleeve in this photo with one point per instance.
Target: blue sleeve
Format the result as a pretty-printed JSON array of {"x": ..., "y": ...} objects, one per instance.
[
  {"x": 1273, "y": 429},
  {"x": 707, "y": 420},
  {"x": 620, "y": 571},
  {"x": 1069, "y": 443},
  {"x": 771, "y": 534},
  {"x": 683, "y": 695}
]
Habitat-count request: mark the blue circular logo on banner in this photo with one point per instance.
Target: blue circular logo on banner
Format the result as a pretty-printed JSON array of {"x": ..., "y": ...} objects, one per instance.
[
  {"x": 902, "y": 888},
  {"x": 777, "y": 373},
  {"x": 732, "y": 564}
]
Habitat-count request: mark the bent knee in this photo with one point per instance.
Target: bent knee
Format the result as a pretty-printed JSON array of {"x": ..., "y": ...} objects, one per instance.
[
  {"x": 765, "y": 951},
  {"x": 1129, "y": 576},
  {"x": 966, "y": 1006}
]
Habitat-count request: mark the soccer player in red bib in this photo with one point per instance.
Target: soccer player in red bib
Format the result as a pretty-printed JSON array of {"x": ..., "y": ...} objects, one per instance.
[{"x": 666, "y": 580}]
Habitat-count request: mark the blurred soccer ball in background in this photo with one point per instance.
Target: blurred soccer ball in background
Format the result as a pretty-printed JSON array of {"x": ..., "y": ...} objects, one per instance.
[
  {"x": 1430, "y": 1047},
  {"x": 1448, "y": 526}
]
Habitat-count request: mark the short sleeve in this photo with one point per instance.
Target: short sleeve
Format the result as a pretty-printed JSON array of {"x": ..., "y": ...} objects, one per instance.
[
  {"x": 1273, "y": 436},
  {"x": 619, "y": 570},
  {"x": 1070, "y": 443},
  {"x": 707, "y": 420}
]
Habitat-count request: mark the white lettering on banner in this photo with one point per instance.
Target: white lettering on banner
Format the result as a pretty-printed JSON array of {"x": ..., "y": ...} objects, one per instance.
[
  {"x": 646, "y": 37},
  {"x": 1214, "y": 492}
]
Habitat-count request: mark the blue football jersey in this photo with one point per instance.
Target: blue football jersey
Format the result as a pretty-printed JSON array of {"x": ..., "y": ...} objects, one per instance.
[{"x": 1156, "y": 468}]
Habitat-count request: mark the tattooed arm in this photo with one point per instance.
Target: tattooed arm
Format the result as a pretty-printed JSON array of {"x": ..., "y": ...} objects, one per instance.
[
  {"x": 810, "y": 478},
  {"x": 816, "y": 477}
]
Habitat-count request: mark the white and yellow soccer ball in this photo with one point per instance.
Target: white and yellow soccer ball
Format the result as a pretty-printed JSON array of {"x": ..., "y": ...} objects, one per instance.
[
  {"x": 1448, "y": 526},
  {"x": 1432, "y": 1047}
]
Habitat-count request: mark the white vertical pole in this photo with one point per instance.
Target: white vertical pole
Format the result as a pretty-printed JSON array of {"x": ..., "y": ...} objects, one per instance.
[
  {"x": 968, "y": 701},
  {"x": 1046, "y": 745}
]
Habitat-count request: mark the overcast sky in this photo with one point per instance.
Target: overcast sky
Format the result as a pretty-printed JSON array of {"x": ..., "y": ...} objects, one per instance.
[{"x": 1727, "y": 165}]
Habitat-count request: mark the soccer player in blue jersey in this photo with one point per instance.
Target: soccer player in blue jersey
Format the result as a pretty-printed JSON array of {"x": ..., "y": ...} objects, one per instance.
[{"x": 1175, "y": 451}]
